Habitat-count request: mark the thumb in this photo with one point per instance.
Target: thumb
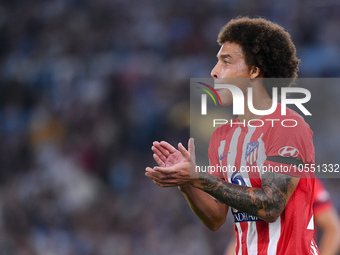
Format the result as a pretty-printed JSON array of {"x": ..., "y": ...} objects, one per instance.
[
  {"x": 191, "y": 146},
  {"x": 183, "y": 151}
]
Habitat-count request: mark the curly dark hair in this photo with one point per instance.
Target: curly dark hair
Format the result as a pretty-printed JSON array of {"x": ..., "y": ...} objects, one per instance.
[{"x": 265, "y": 45}]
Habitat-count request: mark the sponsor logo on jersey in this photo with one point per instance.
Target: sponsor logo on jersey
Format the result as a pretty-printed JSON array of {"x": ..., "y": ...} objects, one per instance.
[
  {"x": 242, "y": 217},
  {"x": 236, "y": 178},
  {"x": 252, "y": 152},
  {"x": 223, "y": 156},
  {"x": 288, "y": 151}
]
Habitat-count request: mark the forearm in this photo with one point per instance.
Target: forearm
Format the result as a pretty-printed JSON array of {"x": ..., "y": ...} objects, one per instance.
[
  {"x": 329, "y": 223},
  {"x": 266, "y": 202},
  {"x": 211, "y": 213},
  {"x": 329, "y": 243}
]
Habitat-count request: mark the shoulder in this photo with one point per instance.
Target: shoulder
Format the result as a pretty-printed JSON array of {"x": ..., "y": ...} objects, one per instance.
[
  {"x": 291, "y": 114},
  {"x": 221, "y": 130},
  {"x": 292, "y": 123},
  {"x": 220, "y": 134},
  {"x": 291, "y": 136}
]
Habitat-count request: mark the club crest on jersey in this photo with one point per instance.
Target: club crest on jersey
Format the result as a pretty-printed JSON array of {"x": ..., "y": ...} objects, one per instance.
[
  {"x": 252, "y": 152},
  {"x": 288, "y": 151}
]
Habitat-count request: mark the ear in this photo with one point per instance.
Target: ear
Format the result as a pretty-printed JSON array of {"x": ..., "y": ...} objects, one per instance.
[{"x": 254, "y": 72}]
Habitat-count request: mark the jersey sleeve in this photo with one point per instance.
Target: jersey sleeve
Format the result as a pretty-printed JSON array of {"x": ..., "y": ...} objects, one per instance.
[{"x": 290, "y": 149}]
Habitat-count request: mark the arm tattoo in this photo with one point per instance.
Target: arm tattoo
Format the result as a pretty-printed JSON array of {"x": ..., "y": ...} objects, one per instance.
[{"x": 266, "y": 202}]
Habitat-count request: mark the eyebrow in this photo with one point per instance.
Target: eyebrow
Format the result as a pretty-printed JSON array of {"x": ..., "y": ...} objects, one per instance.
[{"x": 224, "y": 56}]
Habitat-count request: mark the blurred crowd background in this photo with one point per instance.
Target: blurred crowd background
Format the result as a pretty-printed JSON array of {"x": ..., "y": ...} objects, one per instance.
[{"x": 86, "y": 86}]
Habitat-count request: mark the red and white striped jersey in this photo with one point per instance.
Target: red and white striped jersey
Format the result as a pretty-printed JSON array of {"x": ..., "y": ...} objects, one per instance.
[{"x": 247, "y": 150}]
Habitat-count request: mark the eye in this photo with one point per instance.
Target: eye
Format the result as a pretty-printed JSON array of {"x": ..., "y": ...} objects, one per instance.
[{"x": 226, "y": 62}]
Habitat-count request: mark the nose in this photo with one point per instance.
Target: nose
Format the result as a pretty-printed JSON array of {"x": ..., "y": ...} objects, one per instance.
[{"x": 214, "y": 73}]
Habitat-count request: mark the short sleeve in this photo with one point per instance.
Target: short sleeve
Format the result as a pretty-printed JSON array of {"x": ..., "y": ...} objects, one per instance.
[{"x": 290, "y": 150}]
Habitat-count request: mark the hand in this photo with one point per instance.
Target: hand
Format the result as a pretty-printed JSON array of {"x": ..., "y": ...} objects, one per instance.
[
  {"x": 166, "y": 155},
  {"x": 174, "y": 165}
]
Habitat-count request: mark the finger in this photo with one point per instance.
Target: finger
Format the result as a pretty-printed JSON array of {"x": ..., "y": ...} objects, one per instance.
[
  {"x": 164, "y": 151},
  {"x": 158, "y": 160},
  {"x": 164, "y": 170},
  {"x": 148, "y": 171},
  {"x": 191, "y": 146},
  {"x": 151, "y": 172},
  {"x": 184, "y": 151},
  {"x": 165, "y": 179},
  {"x": 166, "y": 185},
  {"x": 154, "y": 175},
  {"x": 168, "y": 147},
  {"x": 161, "y": 179},
  {"x": 160, "y": 175},
  {"x": 170, "y": 180},
  {"x": 158, "y": 152},
  {"x": 171, "y": 183}
]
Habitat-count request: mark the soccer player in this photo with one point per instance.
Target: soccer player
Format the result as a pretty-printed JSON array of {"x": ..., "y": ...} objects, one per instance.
[{"x": 272, "y": 209}]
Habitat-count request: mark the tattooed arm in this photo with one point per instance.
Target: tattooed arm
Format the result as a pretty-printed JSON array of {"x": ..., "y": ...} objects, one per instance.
[{"x": 266, "y": 202}]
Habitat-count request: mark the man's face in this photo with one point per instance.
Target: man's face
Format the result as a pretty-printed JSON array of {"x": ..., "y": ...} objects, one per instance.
[{"x": 231, "y": 64}]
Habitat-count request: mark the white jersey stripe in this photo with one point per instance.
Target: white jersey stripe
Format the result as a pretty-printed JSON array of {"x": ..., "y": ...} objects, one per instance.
[
  {"x": 261, "y": 154},
  {"x": 220, "y": 153},
  {"x": 232, "y": 151},
  {"x": 244, "y": 174},
  {"x": 239, "y": 231},
  {"x": 252, "y": 238},
  {"x": 274, "y": 236}
]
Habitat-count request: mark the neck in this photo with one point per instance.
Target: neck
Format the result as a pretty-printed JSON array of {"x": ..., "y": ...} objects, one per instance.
[{"x": 261, "y": 101}]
